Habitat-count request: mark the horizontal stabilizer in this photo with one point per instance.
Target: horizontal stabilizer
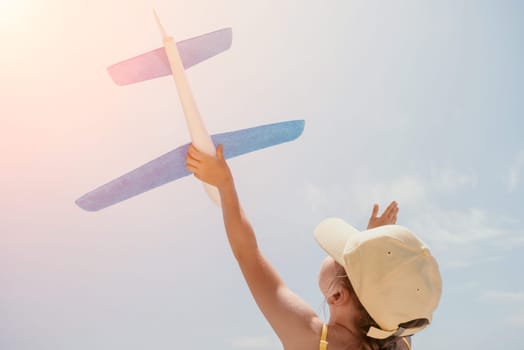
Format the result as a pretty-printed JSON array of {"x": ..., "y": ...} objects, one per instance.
[
  {"x": 154, "y": 64},
  {"x": 172, "y": 165}
]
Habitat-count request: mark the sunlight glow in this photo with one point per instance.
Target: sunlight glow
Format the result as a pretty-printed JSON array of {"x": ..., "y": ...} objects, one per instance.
[{"x": 12, "y": 13}]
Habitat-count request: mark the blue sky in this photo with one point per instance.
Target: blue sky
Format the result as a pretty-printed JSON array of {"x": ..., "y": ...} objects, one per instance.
[{"x": 413, "y": 101}]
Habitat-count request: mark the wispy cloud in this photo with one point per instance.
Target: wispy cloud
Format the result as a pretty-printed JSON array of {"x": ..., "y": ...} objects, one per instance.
[
  {"x": 517, "y": 320},
  {"x": 515, "y": 171},
  {"x": 408, "y": 190},
  {"x": 316, "y": 198},
  {"x": 513, "y": 300},
  {"x": 465, "y": 238},
  {"x": 464, "y": 262},
  {"x": 515, "y": 240},
  {"x": 503, "y": 297},
  {"x": 256, "y": 342},
  {"x": 459, "y": 236},
  {"x": 450, "y": 180},
  {"x": 455, "y": 227},
  {"x": 443, "y": 226}
]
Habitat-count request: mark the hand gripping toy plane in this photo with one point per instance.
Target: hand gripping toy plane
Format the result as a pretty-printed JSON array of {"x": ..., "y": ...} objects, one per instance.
[{"x": 173, "y": 59}]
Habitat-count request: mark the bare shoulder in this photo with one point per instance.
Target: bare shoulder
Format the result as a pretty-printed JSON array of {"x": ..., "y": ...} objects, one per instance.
[
  {"x": 308, "y": 339},
  {"x": 337, "y": 338}
]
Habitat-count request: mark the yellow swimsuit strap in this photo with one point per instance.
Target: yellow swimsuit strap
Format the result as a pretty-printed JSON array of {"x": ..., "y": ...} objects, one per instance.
[{"x": 323, "y": 338}]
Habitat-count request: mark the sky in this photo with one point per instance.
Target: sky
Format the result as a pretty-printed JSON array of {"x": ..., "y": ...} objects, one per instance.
[{"x": 414, "y": 101}]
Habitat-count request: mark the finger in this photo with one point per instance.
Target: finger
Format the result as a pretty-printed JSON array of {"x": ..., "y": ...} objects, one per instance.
[
  {"x": 191, "y": 168},
  {"x": 195, "y": 153},
  {"x": 190, "y": 157},
  {"x": 390, "y": 208},
  {"x": 392, "y": 217},
  {"x": 396, "y": 213},
  {"x": 193, "y": 163},
  {"x": 191, "y": 148},
  {"x": 374, "y": 212},
  {"x": 220, "y": 152}
]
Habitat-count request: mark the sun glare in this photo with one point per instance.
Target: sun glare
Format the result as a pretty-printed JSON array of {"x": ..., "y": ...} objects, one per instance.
[{"x": 12, "y": 12}]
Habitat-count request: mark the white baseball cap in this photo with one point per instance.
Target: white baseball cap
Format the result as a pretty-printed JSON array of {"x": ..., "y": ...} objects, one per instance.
[{"x": 392, "y": 271}]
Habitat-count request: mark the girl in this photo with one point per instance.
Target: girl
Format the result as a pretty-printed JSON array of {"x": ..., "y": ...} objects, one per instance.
[{"x": 380, "y": 285}]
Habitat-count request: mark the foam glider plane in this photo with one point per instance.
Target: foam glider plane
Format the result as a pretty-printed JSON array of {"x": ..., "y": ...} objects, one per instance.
[{"x": 172, "y": 59}]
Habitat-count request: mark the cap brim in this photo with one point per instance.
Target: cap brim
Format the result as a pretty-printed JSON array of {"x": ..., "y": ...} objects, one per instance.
[{"x": 332, "y": 235}]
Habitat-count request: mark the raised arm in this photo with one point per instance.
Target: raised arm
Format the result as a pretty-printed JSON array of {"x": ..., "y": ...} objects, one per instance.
[{"x": 291, "y": 318}]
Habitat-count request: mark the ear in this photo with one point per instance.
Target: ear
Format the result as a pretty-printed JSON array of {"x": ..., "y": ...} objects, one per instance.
[{"x": 339, "y": 297}]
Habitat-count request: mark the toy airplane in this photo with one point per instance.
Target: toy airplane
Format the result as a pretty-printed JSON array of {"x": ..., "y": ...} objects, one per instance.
[{"x": 173, "y": 59}]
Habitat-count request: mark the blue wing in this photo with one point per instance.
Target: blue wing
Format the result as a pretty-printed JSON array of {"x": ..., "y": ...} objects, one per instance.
[
  {"x": 154, "y": 64},
  {"x": 172, "y": 165}
]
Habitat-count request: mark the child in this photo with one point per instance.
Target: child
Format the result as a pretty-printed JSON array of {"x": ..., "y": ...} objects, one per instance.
[{"x": 381, "y": 285}]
